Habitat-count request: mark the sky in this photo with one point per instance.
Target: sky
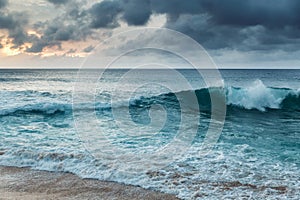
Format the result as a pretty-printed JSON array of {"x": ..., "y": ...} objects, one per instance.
[{"x": 236, "y": 33}]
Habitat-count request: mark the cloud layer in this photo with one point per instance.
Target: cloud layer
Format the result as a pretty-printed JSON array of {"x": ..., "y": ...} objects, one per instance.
[{"x": 243, "y": 25}]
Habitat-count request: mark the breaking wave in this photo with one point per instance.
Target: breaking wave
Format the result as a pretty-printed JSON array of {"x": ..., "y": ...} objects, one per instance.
[{"x": 255, "y": 97}]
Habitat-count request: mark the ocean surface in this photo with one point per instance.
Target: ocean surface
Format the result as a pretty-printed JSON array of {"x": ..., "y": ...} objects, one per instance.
[{"x": 256, "y": 156}]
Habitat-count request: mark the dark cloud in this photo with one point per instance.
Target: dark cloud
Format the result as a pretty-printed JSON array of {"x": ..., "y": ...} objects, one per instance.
[
  {"x": 70, "y": 52},
  {"x": 58, "y": 2},
  {"x": 60, "y": 32},
  {"x": 235, "y": 24},
  {"x": 217, "y": 24},
  {"x": 136, "y": 12},
  {"x": 269, "y": 13},
  {"x": 174, "y": 8},
  {"x": 55, "y": 32},
  {"x": 15, "y": 23},
  {"x": 72, "y": 25},
  {"x": 3, "y": 3},
  {"x": 38, "y": 46},
  {"x": 7, "y": 21},
  {"x": 104, "y": 14},
  {"x": 88, "y": 49}
]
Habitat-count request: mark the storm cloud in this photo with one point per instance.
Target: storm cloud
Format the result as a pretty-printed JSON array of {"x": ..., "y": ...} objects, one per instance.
[
  {"x": 88, "y": 49},
  {"x": 14, "y": 23},
  {"x": 104, "y": 14},
  {"x": 71, "y": 25},
  {"x": 235, "y": 24},
  {"x": 244, "y": 25},
  {"x": 3, "y": 3},
  {"x": 58, "y": 2},
  {"x": 55, "y": 32}
]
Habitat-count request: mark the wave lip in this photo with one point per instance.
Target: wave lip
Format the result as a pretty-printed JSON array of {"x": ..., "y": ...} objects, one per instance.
[
  {"x": 255, "y": 97},
  {"x": 262, "y": 98}
]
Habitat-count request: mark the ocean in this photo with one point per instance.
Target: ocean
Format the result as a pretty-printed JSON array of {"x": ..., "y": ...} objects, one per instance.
[{"x": 257, "y": 154}]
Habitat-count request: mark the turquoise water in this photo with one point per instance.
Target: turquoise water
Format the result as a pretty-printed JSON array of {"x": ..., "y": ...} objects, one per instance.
[{"x": 257, "y": 154}]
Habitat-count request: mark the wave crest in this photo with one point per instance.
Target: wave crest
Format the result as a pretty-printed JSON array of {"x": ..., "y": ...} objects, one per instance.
[
  {"x": 260, "y": 97},
  {"x": 255, "y": 97}
]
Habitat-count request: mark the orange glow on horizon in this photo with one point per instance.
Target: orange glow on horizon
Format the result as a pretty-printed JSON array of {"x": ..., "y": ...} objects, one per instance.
[{"x": 65, "y": 50}]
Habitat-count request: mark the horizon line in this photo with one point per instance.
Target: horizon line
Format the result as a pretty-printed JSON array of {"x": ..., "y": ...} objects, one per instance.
[{"x": 118, "y": 68}]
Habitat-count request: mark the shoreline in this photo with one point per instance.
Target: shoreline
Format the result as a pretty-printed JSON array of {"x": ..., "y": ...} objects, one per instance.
[{"x": 26, "y": 183}]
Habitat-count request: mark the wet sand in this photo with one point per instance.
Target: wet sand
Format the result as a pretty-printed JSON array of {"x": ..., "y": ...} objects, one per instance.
[{"x": 27, "y": 184}]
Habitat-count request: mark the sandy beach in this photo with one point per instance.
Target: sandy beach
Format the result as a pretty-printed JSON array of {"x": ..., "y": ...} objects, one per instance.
[{"x": 24, "y": 183}]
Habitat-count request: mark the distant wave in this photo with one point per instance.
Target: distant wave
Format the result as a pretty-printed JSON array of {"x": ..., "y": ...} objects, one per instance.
[
  {"x": 26, "y": 93},
  {"x": 10, "y": 79},
  {"x": 13, "y": 79},
  {"x": 37, "y": 108}
]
